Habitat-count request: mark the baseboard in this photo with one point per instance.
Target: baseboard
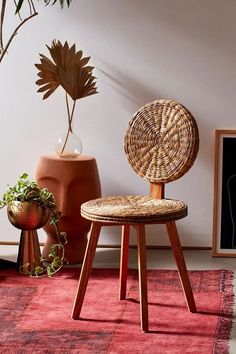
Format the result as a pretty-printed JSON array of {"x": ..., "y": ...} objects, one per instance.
[
  {"x": 15, "y": 243},
  {"x": 158, "y": 247}
]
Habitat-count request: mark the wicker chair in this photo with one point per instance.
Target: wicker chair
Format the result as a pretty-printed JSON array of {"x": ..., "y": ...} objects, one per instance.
[{"x": 161, "y": 144}]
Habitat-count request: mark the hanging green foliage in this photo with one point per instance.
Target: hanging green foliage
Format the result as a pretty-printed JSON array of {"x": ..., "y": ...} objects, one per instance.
[
  {"x": 30, "y": 13},
  {"x": 19, "y": 3}
]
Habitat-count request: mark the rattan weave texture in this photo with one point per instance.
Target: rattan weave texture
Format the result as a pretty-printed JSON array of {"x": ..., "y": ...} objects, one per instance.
[
  {"x": 162, "y": 141},
  {"x": 133, "y": 209}
]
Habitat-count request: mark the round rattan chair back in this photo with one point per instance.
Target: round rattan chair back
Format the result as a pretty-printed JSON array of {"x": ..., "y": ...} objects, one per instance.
[{"x": 162, "y": 141}]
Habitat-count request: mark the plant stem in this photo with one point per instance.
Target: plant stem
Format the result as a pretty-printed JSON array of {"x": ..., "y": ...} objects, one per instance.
[
  {"x": 72, "y": 112},
  {"x": 3, "y": 7},
  {"x": 4, "y": 50},
  {"x": 31, "y": 7},
  {"x": 65, "y": 142},
  {"x": 68, "y": 112},
  {"x": 70, "y": 118}
]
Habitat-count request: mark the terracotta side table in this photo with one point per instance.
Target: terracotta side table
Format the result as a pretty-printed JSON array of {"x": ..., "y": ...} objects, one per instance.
[{"x": 73, "y": 182}]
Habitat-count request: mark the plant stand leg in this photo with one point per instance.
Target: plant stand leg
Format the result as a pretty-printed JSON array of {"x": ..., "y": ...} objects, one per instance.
[{"x": 29, "y": 251}]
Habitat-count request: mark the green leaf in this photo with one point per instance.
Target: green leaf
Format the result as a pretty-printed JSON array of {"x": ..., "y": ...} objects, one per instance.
[
  {"x": 24, "y": 176},
  {"x": 27, "y": 190},
  {"x": 47, "y": 2},
  {"x": 18, "y": 6}
]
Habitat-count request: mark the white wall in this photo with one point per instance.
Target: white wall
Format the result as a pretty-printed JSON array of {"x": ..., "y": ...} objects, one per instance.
[{"x": 142, "y": 50}]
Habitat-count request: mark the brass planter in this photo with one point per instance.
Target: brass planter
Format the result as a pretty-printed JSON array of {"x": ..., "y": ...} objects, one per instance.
[{"x": 28, "y": 216}]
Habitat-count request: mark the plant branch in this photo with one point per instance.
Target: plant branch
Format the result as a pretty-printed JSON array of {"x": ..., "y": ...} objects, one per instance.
[
  {"x": 4, "y": 51},
  {"x": 3, "y": 7},
  {"x": 70, "y": 118},
  {"x": 65, "y": 142},
  {"x": 72, "y": 114},
  {"x": 68, "y": 112},
  {"x": 31, "y": 6}
]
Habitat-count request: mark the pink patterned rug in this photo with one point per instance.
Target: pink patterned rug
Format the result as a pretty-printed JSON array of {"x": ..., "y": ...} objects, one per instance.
[{"x": 35, "y": 314}]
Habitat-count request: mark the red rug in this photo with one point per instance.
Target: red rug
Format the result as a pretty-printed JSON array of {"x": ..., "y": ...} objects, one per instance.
[{"x": 35, "y": 314}]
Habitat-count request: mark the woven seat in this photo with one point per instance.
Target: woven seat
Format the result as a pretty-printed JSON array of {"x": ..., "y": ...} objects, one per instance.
[
  {"x": 133, "y": 210},
  {"x": 161, "y": 145}
]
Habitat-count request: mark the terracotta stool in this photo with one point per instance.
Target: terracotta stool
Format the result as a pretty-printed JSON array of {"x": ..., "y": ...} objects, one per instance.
[{"x": 73, "y": 182}]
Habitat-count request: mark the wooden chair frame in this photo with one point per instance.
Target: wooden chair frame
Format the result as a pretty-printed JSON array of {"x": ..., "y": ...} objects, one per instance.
[{"x": 156, "y": 191}]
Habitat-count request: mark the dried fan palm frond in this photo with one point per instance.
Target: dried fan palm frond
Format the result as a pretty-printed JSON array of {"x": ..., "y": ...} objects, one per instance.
[
  {"x": 49, "y": 80},
  {"x": 66, "y": 69}
]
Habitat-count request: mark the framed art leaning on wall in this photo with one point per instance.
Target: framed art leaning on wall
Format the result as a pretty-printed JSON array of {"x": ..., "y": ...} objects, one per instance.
[{"x": 224, "y": 209}]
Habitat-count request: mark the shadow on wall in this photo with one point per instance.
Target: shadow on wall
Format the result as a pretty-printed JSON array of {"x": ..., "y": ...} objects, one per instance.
[
  {"x": 134, "y": 93},
  {"x": 166, "y": 49}
]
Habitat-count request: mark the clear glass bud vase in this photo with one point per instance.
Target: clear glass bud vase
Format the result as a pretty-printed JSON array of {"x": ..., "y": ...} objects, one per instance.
[{"x": 68, "y": 145}]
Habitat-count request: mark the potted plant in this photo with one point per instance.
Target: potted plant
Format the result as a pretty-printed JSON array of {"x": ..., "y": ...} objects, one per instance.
[
  {"x": 30, "y": 10},
  {"x": 29, "y": 208},
  {"x": 68, "y": 69}
]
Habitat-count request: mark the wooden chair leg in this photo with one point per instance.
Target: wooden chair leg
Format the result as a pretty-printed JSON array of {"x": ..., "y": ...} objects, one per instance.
[
  {"x": 179, "y": 258},
  {"x": 86, "y": 268},
  {"x": 142, "y": 267},
  {"x": 124, "y": 261}
]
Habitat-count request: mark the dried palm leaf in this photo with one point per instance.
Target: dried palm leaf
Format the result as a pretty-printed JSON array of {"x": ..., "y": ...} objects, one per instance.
[{"x": 66, "y": 69}]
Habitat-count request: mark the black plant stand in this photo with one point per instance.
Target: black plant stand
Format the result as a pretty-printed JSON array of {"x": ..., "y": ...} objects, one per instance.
[{"x": 4, "y": 263}]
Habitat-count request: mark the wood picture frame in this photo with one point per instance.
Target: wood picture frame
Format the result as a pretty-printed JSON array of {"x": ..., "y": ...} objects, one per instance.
[{"x": 224, "y": 205}]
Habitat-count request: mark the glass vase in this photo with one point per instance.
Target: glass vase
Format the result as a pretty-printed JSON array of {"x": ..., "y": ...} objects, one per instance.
[{"x": 68, "y": 145}]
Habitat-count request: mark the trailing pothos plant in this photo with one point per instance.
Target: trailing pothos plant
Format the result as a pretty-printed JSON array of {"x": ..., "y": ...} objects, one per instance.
[
  {"x": 26, "y": 190},
  {"x": 30, "y": 13}
]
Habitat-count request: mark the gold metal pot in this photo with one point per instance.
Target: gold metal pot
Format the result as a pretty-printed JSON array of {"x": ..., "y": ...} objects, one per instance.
[{"x": 28, "y": 216}]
